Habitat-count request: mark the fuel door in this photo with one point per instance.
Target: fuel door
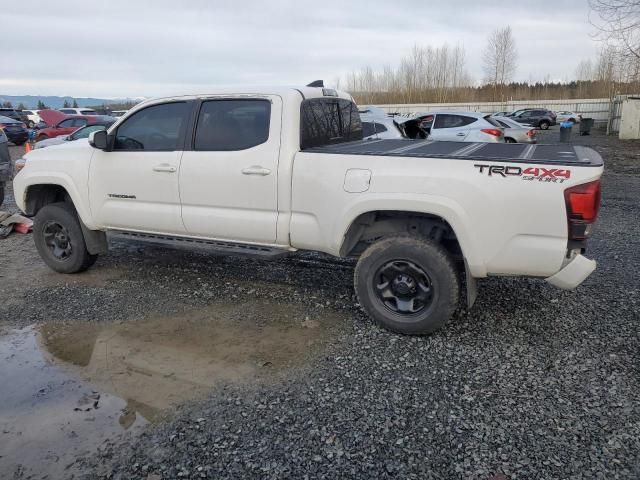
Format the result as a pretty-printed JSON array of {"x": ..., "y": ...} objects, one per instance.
[{"x": 357, "y": 180}]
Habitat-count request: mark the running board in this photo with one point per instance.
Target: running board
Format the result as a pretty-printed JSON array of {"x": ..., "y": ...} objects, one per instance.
[{"x": 211, "y": 246}]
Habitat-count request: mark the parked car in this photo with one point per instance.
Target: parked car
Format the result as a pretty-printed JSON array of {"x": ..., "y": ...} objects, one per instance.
[
  {"x": 15, "y": 114},
  {"x": 5, "y": 164},
  {"x": 536, "y": 117},
  {"x": 15, "y": 130},
  {"x": 500, "y": 114},
  {"x": 566, "y": 116},
  {"x": 32, "y": 117},
  {"x": 376, "y": 124},
  {"x": 461, "y": 127},
  {"x": 515, "y": 132},
  {"x": 82, "y": 132},
  {"x": 70, "y": 124},
  {"x": 78, "y": 111},
  {"x": 118, "y": 113},
  {"x": 270, "y": 171}
]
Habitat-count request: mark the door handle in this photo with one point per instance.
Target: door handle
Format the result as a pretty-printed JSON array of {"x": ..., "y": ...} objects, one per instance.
[
  {"x": 461, "y": 134},
  {"x": 164, "y": 167},
  {"x": 256, "y": 170}
]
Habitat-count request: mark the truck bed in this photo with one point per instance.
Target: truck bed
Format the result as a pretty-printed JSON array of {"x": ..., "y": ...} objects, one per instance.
[{"x": 560, "y": 154}]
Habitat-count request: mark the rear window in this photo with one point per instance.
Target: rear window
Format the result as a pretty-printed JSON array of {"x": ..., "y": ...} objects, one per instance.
[
  {"x": 327, "y": 121},
  {"x": 495, "y": 122},
  {"x": 445, "y": 120},
  {"x": 88, "y": 112}
]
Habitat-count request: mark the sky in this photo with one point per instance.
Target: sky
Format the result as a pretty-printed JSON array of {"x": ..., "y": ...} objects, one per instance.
[{"x": 141, "y": 48}]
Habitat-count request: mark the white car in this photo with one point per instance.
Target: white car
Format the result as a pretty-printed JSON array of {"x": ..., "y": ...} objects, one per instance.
[
  {"x": 82, "y": 132},
  {"x": 33, "y": 116},
  {"x": 461, "y": 127},
  {"x": 515, "y": 132},
  {"x": 566, "y": 116},
  {"x": 376, "y": 124},
  {"x": 269, "y": 171},
  {"x": 78, "y": 111}
]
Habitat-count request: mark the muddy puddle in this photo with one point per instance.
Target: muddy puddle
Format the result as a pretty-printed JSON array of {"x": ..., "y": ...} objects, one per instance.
[{"x": 67, "y": 388}]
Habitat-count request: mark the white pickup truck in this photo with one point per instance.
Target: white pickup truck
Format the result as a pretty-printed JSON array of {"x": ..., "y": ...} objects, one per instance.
[{"x": 273, "y": 170}]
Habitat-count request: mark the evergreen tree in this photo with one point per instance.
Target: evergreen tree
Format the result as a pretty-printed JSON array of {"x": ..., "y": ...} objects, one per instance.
[
  {"x": 75, "y": 104},
  {"x": 21, "y": 106},
  {"x": 65, "y": 104},
  {"x": 41, "y": 105}
]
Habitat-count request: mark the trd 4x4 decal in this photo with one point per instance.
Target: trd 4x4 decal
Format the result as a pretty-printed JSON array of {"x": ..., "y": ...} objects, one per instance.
[{"x": 555, "y": 175}]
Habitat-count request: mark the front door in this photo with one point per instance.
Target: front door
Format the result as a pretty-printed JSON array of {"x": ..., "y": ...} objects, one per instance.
[
  {"x": 134, "y": 186},
  {"x": 451, "y": 127},
  {"x": 229, "y": 173}
]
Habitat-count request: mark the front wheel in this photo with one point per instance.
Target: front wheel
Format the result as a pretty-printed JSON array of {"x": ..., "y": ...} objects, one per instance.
[
  {"x": 544, "y": 125},
  {"x": 59, "y": 239},
  {"x": 407, "y": 284}
]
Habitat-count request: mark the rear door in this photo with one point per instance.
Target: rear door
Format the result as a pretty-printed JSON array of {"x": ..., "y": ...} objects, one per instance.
[
  {"x": 229, "y": 173},
  {"x": 451, "y": 127}
]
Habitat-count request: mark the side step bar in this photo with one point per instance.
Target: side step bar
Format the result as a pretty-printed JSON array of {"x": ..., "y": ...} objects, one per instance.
[{"x": 210, "y": 246}]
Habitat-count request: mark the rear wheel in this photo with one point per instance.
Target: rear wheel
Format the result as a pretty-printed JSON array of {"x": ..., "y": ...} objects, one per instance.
[
  {"x": 59, "y": 239},
  {"x": 509, "y": 140},
  {"x": 544, "y": 125},
  {"x": 407, "y": 284}
]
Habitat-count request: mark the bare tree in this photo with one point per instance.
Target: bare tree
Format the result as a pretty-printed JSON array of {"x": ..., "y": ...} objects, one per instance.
[
  {"x": 500, "y": 58},
  {"x": 618, "y": 23}
]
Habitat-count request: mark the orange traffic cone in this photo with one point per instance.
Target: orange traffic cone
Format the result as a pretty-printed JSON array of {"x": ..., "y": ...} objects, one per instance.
[{"x": 27, "y": 147}]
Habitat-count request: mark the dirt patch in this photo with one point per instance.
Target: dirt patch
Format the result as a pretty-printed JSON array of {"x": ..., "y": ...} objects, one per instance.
[{"x": 76, "y": 385}]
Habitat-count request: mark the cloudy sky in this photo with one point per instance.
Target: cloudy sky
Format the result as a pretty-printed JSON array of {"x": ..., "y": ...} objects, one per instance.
[{"x": 136, "y": 48}]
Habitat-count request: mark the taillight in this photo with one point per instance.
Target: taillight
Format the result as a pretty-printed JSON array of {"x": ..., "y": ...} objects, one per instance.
[
  {"x": 492, "y": 131},
  {"x": 583, "y": 203},
  {"x": 531, "y": 133}
]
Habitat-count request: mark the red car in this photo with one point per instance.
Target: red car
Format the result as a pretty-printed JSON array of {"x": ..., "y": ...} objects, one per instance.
[{"x": 64, "y": 124}]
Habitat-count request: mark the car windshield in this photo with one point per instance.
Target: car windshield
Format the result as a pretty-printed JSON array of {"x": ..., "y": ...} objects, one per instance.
[
  {"x": 85, "y": 131},
  {"x": 4, "y": 119}
]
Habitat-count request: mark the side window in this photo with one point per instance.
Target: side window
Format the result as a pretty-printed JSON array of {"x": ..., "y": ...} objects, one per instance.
[
  {"x": 444, "y": 120},
  {"x": 225, "y": 125},
  {"x": 156, "y": 128},
  {"x": 371, "y": 128},
  {"x": 68, "y": 123},
  {"x": 66, "y": 110},
  {"x": 327, "y": 121},
  {"x": 367, "y": 129},
  {"x": 503, "y": 124},
  {"x": 79, "y": 122},
  {"x": 380, "y": 128}
]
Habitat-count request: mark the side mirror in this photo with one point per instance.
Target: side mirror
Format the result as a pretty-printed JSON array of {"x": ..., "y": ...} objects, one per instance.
[{"x": 99, "y": 139}]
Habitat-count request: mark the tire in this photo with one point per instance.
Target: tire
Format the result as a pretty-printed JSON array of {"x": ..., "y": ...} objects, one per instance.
[
  {"x": 404, "y": 264},
  {"x": 31, "y": 124},
  {"x": 572, "y": 120},
  {"x": 509, "y": 140},
  {"x": 59, "y": 239},
  {"x": 1, "y": 193},
  {"x": 19, "y": 144},
  {"x": 544, "y": 125}
]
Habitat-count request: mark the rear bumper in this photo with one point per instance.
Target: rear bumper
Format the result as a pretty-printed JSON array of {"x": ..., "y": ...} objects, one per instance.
[{"x": 573, "y": 273}]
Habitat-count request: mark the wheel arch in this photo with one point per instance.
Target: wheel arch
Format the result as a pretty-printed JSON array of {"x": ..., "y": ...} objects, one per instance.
[{"x": 367, "y": 223}]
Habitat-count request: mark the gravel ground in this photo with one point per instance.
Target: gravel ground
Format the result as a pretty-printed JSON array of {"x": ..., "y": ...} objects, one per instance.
[{"x": 533, "y": 382}]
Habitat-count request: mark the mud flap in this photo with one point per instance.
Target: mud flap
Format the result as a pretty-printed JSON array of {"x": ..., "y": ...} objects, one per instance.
[
  {"x": 95, "y": 240},
  {"x": 472, "y": 286}
]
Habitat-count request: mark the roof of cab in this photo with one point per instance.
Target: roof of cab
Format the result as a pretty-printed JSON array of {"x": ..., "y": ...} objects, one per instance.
[{"x": 290, "y": 93}]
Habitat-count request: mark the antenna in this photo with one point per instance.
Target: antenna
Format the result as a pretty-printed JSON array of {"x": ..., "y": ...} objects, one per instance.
[{"x": 316, "y": 83}]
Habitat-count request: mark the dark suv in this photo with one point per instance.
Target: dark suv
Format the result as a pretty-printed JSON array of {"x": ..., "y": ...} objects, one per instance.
[
  {"x": 13, "y": 113},
  {"x": 536, "y": 117}
]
